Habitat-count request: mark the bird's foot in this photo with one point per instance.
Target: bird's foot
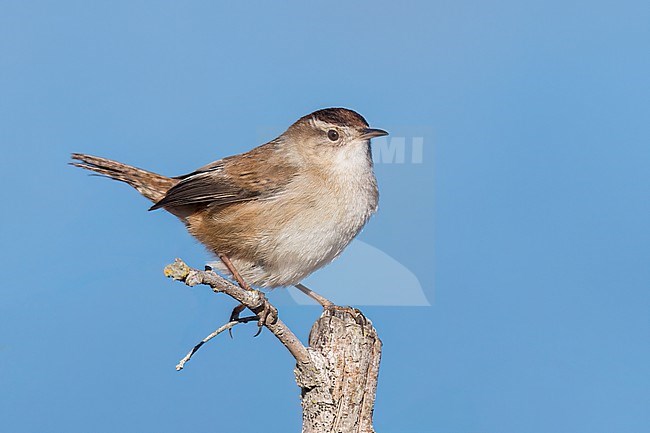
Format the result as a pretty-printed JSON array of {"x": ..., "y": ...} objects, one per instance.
[
  {"x": 355, "y": 313},
  {"x": 264, "y": 312},
  {"x": 267, "y": 314}
]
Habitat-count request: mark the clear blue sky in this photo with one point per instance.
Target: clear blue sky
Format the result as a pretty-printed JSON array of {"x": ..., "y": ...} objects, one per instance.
[{"x": 527, "y": 224}]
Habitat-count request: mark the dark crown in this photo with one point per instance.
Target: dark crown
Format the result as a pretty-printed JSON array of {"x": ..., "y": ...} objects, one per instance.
[{"x": 339, "y": 116}]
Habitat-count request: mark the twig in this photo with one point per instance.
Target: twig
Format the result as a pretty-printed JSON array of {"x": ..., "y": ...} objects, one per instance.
[
  {"x": 228, "y": 326},
  {"x": 253, "y": 300}
]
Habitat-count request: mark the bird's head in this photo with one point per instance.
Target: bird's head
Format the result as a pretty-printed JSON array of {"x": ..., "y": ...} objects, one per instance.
[{"x": 332, "y": 132}]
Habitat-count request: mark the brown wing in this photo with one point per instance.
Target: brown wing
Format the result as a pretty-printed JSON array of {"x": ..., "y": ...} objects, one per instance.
[{"x": 260, "y": 173}]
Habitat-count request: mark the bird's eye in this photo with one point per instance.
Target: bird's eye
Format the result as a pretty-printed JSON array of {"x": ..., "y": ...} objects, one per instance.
[{"x": 332, "y": 135}]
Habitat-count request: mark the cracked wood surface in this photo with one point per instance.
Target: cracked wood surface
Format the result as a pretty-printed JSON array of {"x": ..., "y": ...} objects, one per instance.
[{"x": 342, "y": 397}]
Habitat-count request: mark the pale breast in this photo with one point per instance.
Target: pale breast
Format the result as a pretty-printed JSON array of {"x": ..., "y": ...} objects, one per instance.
[
  {"x": 321, "y": 216},
  {"x": 280, "y": 240}
]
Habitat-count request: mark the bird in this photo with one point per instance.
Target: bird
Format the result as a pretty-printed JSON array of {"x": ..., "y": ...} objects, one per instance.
[{"x": 277, "y": 213}]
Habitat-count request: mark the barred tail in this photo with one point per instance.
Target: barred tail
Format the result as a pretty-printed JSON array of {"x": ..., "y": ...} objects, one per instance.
[{"x": 151, "y": 185}]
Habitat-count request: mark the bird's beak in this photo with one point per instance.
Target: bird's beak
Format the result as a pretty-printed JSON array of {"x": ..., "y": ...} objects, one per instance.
[{"x": 372, "y": 133}]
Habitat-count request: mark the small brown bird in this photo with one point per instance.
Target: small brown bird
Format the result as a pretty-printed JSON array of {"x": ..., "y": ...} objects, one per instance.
[{"x": 279, "y": 211}]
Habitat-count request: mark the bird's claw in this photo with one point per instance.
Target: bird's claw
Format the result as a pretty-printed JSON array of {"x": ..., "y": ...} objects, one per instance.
[
  {"x": 267, "y": 314},
  {"x": 359, "y": 318},
  {"x": 264, "y": 312},
  {"x": 234, "y": 316}
]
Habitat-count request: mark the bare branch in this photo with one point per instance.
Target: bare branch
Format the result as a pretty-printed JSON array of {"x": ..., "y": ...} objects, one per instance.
[
  {"x": 253, "y": 300},
  {"x": 337, "y": 373},
  {"x": 225, "y": 327}
]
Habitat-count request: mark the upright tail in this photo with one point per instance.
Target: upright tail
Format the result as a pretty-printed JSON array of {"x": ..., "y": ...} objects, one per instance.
[{"x": 151, "y": 185}]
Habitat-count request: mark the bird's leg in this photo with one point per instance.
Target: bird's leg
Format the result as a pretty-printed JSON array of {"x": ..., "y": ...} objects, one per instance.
[
  {"x": 326, "y": 303},
  {"x": 226, "y": 261},
  {"x": 265, "y": 312},
  {"x": 358, "y": 316}
]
